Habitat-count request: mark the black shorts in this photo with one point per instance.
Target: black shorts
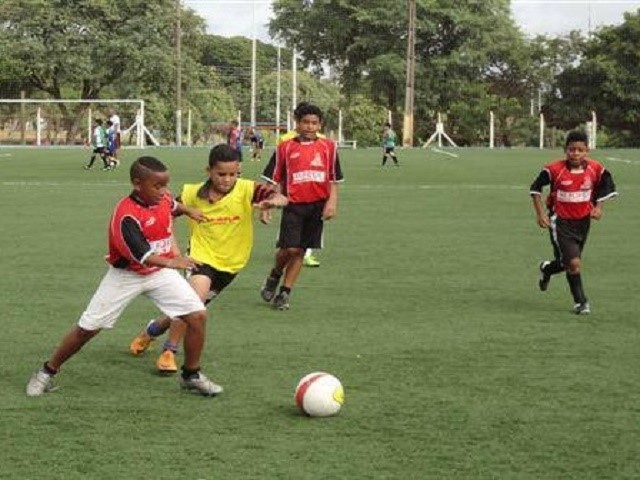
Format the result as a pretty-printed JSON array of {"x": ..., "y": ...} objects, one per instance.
[
  {"x": 568, "y": 237},
  {"x": 389, "y": 150},
  {"x": 100, "y": 150},
  {"x": 219, "y": 279},
  {"x": 301, "y": 225}
]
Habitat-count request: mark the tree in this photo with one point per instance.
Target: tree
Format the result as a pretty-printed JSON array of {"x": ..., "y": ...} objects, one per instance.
[
  {"x": 607, "y": 81},
  {"x": 463, "y": 50},
  {"x": 89, "y": 46}
]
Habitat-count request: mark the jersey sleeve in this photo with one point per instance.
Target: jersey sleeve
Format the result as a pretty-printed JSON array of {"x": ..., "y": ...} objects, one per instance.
[
  {"x": 269, "y": 171},
  {"x": 606, "y": 187},
  {"x": 133, "y": 244},
  {"x": 337, "y": 170},
  {"x": 543, "y": 179}
]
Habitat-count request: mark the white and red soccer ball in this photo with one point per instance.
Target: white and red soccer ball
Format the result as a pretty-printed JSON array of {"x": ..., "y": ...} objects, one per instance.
[{"x": 319, "y": 394}]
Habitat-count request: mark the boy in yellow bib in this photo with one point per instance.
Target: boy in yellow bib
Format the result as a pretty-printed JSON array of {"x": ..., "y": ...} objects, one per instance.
[{"x": 221, "y": 245}]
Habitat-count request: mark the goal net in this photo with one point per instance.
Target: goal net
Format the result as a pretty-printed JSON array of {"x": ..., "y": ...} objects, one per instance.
[{"x": 38, "y": 122}]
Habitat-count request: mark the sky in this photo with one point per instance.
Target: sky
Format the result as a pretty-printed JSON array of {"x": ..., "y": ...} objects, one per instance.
[{"x": 551, "y": 17}]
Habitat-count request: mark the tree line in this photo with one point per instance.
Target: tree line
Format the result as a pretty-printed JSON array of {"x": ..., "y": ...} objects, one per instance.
[{"x": 471, "y": 58}]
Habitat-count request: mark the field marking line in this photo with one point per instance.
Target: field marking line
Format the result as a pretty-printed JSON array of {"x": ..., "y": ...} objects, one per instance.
[{"x": 623, "y": 160}]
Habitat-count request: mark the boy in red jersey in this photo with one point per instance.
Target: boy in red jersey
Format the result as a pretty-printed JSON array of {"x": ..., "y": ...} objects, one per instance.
[
  {"x": 307, "y": 169},
  {"x": 579, "y": 186},
  {"x": 143, "y": 259}
]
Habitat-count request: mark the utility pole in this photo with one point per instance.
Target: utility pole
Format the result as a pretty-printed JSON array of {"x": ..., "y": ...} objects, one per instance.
[
  {"x": 407, "y": 128},
  {"x": 178, "y": 76}
]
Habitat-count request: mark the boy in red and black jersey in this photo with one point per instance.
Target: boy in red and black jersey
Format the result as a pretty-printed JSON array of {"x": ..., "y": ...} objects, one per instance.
[
  {"x": 578, "y": 188},
  {"x": 307, "y": 170},
  {"x": 143, "y": 259}
]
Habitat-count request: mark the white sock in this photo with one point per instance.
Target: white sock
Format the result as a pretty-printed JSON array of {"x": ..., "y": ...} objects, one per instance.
[{"x": 308, "y": 252}]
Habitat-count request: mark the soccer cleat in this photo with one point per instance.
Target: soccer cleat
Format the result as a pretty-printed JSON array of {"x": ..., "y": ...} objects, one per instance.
[
  {"x": 310, "y": 261},
  {"x": 281, "y": 302},
  {"x": 200, "y": 383},
  {"x": 141, "y": 343},
  {"x": 582, "y": 308},
  {"x": 39, "y": 383},
  {"x": 268, "y": 289},
  {"x": 86, "y": 167},
  {"x": 543, "y": 282},
  {"x": 166, "y": 362}
]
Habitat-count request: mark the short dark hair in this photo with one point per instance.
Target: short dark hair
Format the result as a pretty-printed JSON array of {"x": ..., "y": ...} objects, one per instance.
[
  {"x": 222, "y": 153},
  {"x": 144, "y": 166},
  {"x": 98, "y": 121},
  {"x": 387, "y": 125},
  {"x": 576, "y": 136},
  {"x": 304, "y": 109}
]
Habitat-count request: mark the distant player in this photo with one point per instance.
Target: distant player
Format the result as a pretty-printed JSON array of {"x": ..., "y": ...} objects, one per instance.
[
  {"x": 234, "y": 138},
  {"x": 579, "y": 186},
  {"x": 111, "y": 149},
  {"x": 114, "y": 118},
  {"x": 99, "y": 145},
  {"x": 389, "y": 141},
  {"x": 257, "y": 144}
]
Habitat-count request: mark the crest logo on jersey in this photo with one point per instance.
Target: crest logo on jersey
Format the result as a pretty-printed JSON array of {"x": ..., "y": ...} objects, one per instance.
[
  {"x": 294, "y": 155},
  {"x": 566, "y": 183},
  {"x": 317, "y": 161},
  {"x": 150, "y": 222}
]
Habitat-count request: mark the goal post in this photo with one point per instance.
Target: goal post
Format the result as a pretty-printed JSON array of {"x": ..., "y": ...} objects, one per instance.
[{"x": 68, "y": 122}]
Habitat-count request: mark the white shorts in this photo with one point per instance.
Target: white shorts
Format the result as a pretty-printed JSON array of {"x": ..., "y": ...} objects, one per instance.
[{"x": 166, "y": 288}]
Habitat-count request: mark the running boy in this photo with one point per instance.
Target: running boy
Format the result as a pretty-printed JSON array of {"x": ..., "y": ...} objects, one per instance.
[
  {"x": 221, "y": 245},
  {"x": 578, "y": 188},
  {"x": 234, "y": 138},
  {"x": 142, "y": 260},
  {"x": 389, "y": 140},
  {"x": 307, "y": 169}
]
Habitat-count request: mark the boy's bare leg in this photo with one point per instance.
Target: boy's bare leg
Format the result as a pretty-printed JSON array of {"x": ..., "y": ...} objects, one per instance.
[{"x": 70, "y": 345}]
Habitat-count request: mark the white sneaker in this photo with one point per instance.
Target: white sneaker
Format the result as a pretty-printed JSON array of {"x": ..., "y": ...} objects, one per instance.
[
  {"x": 39, "y": 383},
  {"x": 202, "y": 384}
]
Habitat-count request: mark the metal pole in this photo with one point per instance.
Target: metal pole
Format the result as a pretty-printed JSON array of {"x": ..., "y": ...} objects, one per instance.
[
  {"x": 491, "y": 130},
  {"x": 294, "y": 81},
  {"x": 253, "y": 67},
  {"x": 407, "y": 131},
  {"x": 178, "y": 76}
]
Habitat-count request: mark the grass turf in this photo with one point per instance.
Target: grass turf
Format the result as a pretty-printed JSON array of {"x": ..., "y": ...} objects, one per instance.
[{"x": 425, "y": 306}]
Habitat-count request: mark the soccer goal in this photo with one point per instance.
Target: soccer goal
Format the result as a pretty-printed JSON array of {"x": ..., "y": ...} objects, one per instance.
[{"x": 69, "y": 122}]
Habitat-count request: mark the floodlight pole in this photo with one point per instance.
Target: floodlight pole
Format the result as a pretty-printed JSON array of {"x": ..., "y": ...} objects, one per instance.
[
  {"x": 407, "y": 130},
  {"x": 178, "y": 76}
]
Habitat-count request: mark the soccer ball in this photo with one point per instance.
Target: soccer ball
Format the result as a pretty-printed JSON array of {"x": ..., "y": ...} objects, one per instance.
[{"x": 319, "y": 394}]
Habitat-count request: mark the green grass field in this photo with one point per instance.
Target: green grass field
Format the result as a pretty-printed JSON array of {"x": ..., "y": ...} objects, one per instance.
[{"x": 426, "y": 307}]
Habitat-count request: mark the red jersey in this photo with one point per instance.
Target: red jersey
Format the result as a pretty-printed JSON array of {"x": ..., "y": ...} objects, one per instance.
[
  {"x": 138, "y": 230},
  {"x": 305, "y": 170},
  {"x": 573, "y": 190}
]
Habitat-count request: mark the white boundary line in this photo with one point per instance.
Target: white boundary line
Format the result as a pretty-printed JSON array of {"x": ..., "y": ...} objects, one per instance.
[{"x": 437, "y": 150}]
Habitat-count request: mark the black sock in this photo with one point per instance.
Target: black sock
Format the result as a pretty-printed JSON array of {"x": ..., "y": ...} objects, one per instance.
[
  {"x": 384, "y": 160},
  {"x": 275, "y": 274},
  {"x": 186, "y": 373},
  {"x": 286, "y": 290},
  {"x": 93, "y": 159},
  {"x": 575, "y": 284},
  {"x": 48, "y": 369},
  {"x": 553, "y": 267}
]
